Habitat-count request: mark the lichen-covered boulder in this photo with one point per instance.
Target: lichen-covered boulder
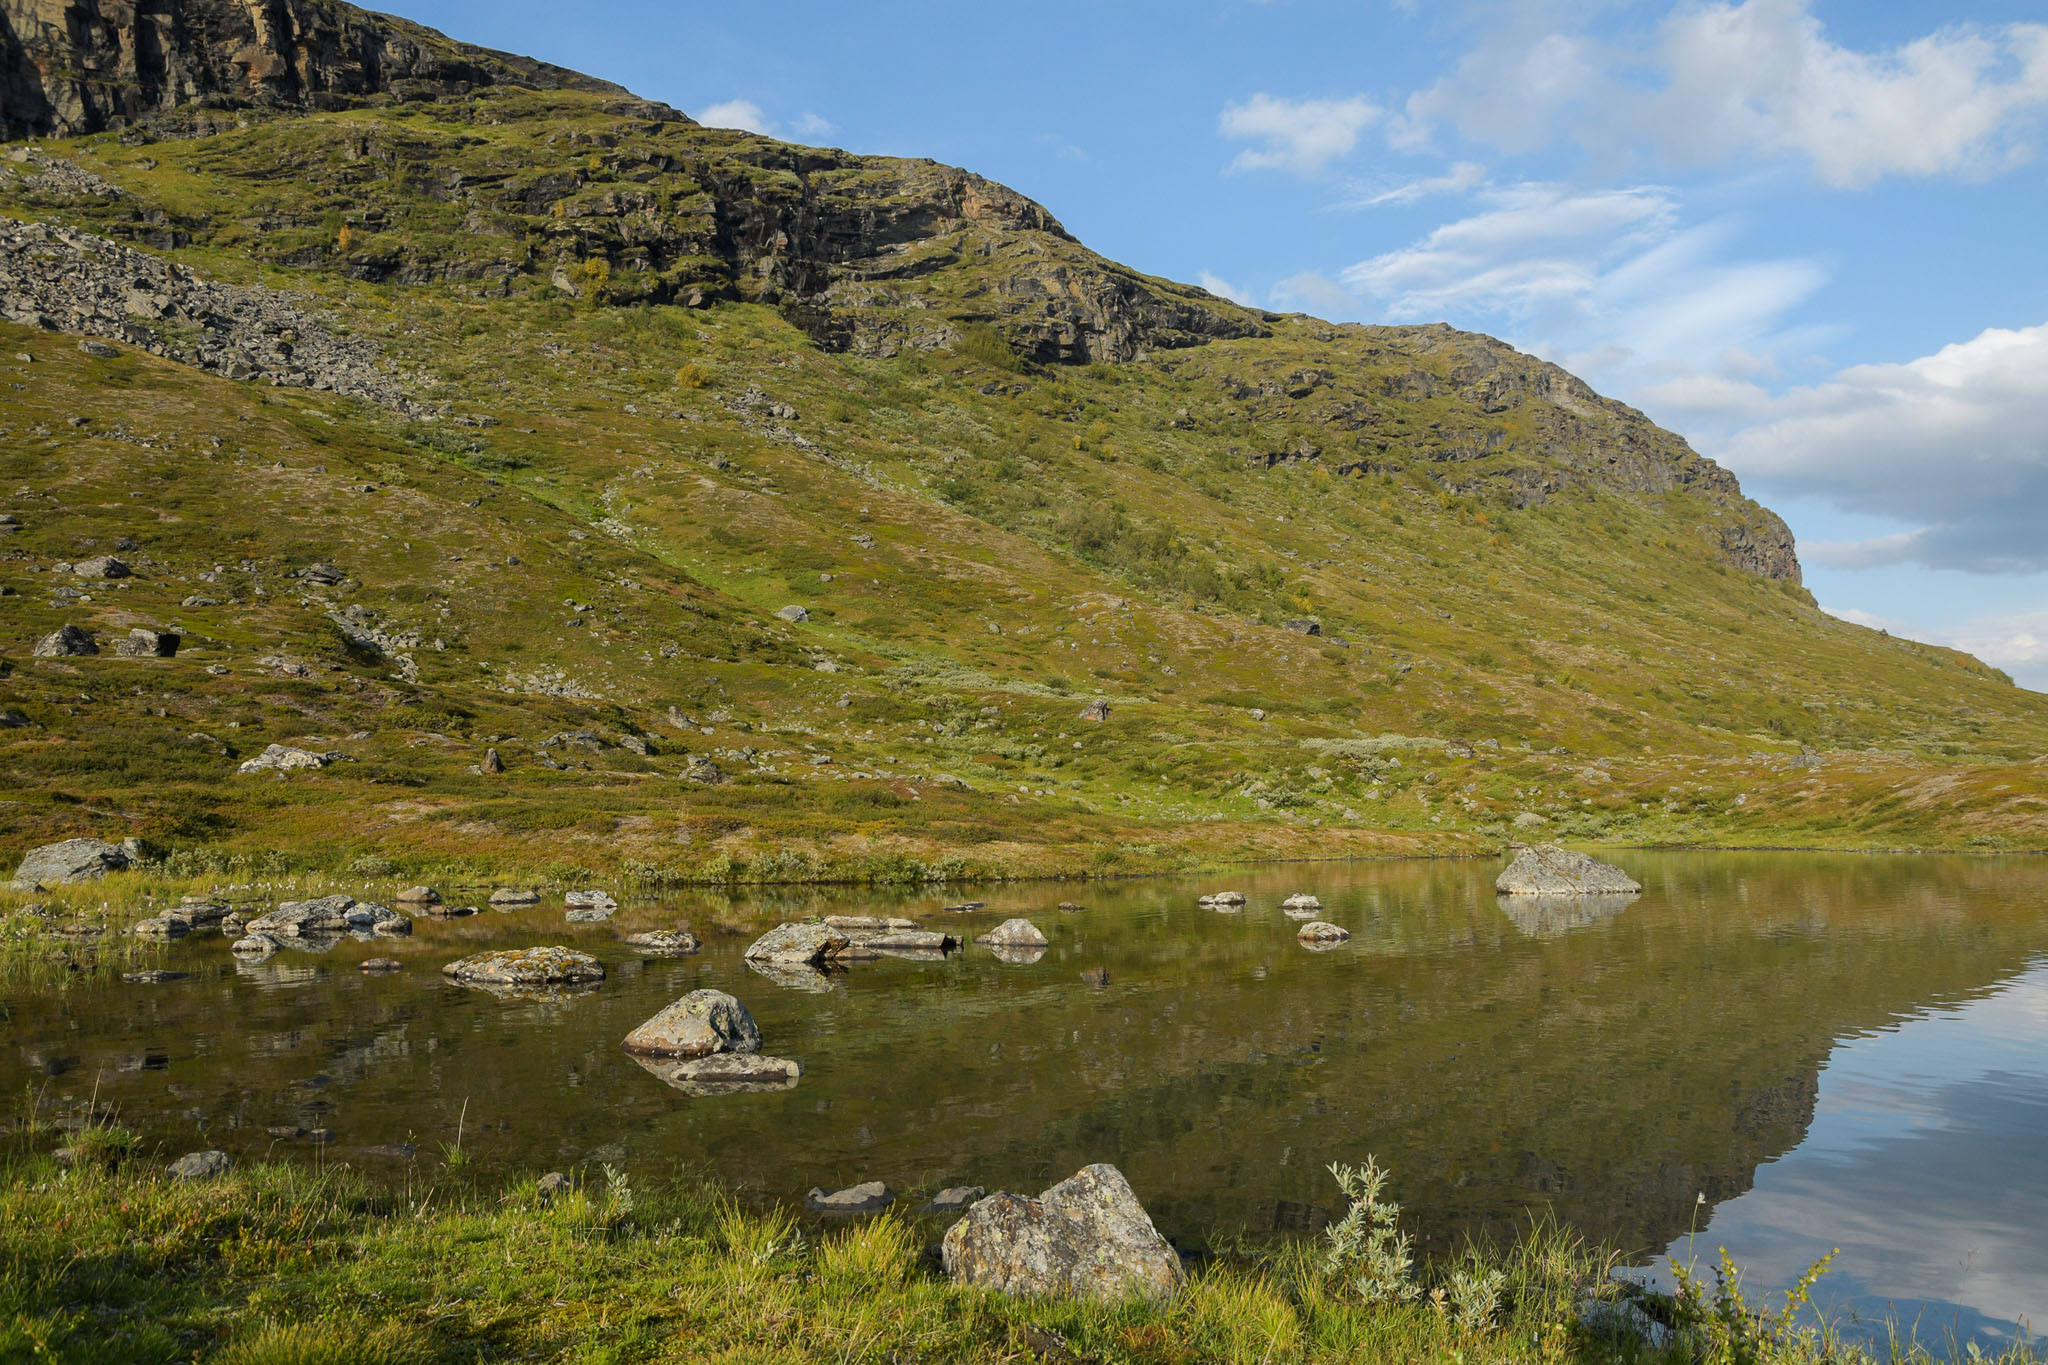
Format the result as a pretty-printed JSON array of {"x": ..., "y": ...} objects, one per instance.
[
  {"x": 666, "y": 942},
  {"x": 551, "y": 966},
  {"x": 699, "y": 1024},
  {"x": 1301, "y": 906},
  {"x": 1321, "y": 931},
  {"x": 1547, "y": 870},
  {"x": 71, "y": 860},
  {"x": 1086, "y": 1237},
  {"x": 797, "y": 944}
]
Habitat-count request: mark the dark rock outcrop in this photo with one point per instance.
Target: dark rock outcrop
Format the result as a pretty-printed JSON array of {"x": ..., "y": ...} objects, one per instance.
[{"x": 72, "y": 67}]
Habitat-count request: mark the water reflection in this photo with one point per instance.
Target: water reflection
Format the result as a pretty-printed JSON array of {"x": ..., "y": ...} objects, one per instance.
[
  {"x": 1551, "y": 916},
  {"x": 1606, "y": 1067}
]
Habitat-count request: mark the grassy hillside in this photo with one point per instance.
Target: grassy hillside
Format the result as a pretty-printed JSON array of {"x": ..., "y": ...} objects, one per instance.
[{"x": 665, "y": 381}]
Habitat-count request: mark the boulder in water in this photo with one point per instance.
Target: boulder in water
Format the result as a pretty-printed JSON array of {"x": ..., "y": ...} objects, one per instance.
[
  {"x": 1547, "y": 870},
  {"x": 552, "y": 966},
  {"x": 699, "y": 1024},
  {"x": 1013, "y": 933},
  {"x": 797, "y": 944},
  {"x": 1086, "y": 1237},
  {"x": 666, "y": 942}
]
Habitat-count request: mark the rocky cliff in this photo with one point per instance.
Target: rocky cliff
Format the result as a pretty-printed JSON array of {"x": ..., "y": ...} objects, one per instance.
[{"x": 70, "y": 67}]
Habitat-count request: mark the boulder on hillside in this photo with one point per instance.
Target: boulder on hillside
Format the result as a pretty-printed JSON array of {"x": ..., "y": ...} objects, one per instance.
[
  {"x": 65, "y": 642},
  {"x": 71, "y": 860},
  {"x": 100, "y": 566},
  {"x": 699, "y": 1024},
  {"x": 1097, "y": 710},
  {"x": 1086, "y": 1237},
  {"x": 1547, "y": 870},
  {"x": 283, "y": 758},
  {"x": 794, "y": 614},
  {"x": 149, "y": 644}
]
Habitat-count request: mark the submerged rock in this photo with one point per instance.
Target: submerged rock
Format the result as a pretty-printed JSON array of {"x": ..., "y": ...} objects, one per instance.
[
  {"x": 667, "y": 942},
  {"x": 1086, "y": 1237},
  {"x": 869, "y": 1197},
  {"x": 550, "y": 966},
  {"x": 699, "y": 1024},
  {"x": 378, "y": 965},
  {"x": 1547, "y": 870},
  {"x": 724, "y": 1073}
]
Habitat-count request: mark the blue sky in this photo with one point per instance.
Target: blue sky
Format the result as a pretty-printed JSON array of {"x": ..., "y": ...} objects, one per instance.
[{"x": 1807, "y": 234}]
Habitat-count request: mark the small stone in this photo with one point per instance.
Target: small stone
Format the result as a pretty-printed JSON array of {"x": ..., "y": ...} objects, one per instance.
[
  {"x": 1069, "y": 908},
  {"x": 200, "y": 1166},
  {"x": 285, "y": 1132},
  {"x": 871, "y": 1197},
  {"x": 393, "y": 1151},
  {"x": 381, "y": 965},
  {"x": 160, "y": 927},
  {"x": 953, "y": 1199},
  {"x": 551, "y": 1186}
]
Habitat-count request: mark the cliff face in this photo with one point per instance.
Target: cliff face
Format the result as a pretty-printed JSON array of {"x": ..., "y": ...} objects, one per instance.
[{"x": 71, "y": 67}]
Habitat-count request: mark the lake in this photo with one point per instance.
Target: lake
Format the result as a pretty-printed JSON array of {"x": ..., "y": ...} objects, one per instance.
[{"x": 1780, "y": 1053}]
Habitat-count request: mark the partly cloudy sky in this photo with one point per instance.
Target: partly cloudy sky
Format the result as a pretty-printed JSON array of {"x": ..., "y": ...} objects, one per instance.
[{"x": 1804, "y": 233}]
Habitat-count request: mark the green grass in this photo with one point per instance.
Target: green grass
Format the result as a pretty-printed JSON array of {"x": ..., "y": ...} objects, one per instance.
[
  {"x": 613, "y": 519},
  {"x": 107, "y": 1261}
]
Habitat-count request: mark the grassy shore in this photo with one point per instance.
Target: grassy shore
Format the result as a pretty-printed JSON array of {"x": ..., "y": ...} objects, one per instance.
[{"x": 105, "y": 1259}]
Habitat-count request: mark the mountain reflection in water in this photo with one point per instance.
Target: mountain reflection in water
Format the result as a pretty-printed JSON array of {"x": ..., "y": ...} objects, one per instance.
[{"x": 1608, "y": 1063}]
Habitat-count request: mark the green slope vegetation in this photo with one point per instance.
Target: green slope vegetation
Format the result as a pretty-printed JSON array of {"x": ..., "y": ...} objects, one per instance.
[{"x": 665, "y": 381}]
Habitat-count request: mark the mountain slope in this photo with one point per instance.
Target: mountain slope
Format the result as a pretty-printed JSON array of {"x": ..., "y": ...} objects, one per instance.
[{"x": 576, "y": 396}]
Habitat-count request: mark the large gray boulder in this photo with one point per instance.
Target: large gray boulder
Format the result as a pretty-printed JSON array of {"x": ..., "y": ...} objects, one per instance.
[
  {"x": 699, "y": 1024},
  {"x": 1547, "y": 870},
  {"x": 1013, "y": 933},
  {"x": 65, "y": 642},
  {"x": 72, "y": 860},
  {"x": 1086, "y": 1237},
  {"x": 283, "y": 758}
]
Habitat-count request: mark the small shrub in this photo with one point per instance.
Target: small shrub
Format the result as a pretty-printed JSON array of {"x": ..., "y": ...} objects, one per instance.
[{"x": 1367, "y": 1247}]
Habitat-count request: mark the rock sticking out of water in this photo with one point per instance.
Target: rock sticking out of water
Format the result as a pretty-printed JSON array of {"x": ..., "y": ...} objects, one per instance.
[
  {"x": 254, "y": 946},
  {"x": 1086, "y": 1237},
  {"x": 1069, "y": 908},
  {"x": 382, "y": 964},
  {"x": 1547, "y": 870},
  {"x": 1302, "y": 906},
  {"x": 698, "y": 1025},
  {"x": 870, "y": 1197},
  {"x": 666, "y": 942},
  {"x": 1222, "y": 900},
  {"x": 329, "y": 915},
  {"x": 1323, "y": 932},
  {"x": 160, "y": 927},
  {"x": 1013, "y": 933},
  {"x": 418, "y": 895},
  {"x": 153, "y": 978},
  {"x": 507, "y": 896},
  {"x": 798, "y": 945},
  {"x": 551, "y": 966}
]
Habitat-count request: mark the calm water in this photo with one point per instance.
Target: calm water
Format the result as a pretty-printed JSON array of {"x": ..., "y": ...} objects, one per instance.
[{"x": 1832, "y": 1051}]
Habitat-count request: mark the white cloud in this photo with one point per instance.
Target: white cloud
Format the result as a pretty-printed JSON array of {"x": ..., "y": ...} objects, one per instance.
[
  {"x": 751, "y": 117},
  {"x": 742, "y": 114},
  {"x": 2016, "y": 641},
  {"x": 1955, "y": 444},
  {"x": 1314, "y": 292},
  {"x": 1754, "y": 79},
  {"x": 1460, "y": 178},
  {"x": 1302, "y": 136},
  {"x": 1224, "y": 289}
]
